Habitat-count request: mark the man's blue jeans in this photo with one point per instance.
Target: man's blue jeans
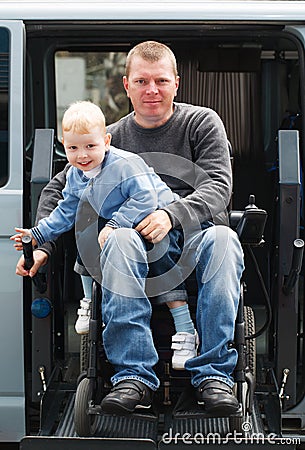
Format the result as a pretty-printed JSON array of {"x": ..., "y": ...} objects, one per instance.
[{"x": 217, "y": 255}]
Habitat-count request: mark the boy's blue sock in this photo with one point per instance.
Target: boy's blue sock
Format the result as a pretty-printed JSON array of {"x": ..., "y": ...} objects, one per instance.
[
  {"x": 182, "y": 319},
  {"x": 87, "y": 286}
]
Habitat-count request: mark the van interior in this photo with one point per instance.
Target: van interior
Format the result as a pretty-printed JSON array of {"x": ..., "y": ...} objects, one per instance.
[{"x": 253, "y": 76}]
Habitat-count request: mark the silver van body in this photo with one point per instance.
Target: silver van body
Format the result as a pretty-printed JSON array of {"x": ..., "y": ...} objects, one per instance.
[{"x": 25, "y": 28}]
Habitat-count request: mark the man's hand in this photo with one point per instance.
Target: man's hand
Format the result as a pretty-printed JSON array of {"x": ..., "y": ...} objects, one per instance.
[
  {"x": 155, "y": 226},
  {"x": 103, "y": 236},
  {"x": 40, "y": 259},
  {"x": 18, "y": 237}
]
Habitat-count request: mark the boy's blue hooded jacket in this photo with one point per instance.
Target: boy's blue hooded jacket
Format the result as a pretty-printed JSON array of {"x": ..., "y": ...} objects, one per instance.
[{"x": 123, "y": 193}]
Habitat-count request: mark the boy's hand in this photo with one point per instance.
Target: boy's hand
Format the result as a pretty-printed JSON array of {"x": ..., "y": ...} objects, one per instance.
[
  {"x": 40, "y": 259},
  {"x": 103, "y": 236},
  {"x": 18, "y": 237}
]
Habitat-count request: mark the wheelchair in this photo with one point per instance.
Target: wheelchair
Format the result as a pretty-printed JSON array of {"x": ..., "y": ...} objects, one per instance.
[{"x": 174, "y": 400}]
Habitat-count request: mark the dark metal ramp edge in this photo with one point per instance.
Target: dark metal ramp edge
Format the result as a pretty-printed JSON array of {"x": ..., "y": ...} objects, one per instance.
[{"x": 77, "y": 443}]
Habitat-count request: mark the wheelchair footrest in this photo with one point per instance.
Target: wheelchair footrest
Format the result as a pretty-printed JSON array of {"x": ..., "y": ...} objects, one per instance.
[
  {"x": 133, "y": 426},
  {"x": 188, "y": 415}
]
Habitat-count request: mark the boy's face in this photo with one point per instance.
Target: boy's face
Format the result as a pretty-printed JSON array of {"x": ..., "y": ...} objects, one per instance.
[{"x": 86, "y": 151}]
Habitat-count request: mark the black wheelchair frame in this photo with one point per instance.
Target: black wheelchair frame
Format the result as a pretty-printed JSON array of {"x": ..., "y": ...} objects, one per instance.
[{"x": 93, "y": 382}]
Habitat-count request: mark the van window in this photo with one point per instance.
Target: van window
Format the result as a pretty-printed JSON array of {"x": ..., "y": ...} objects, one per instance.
[
  {"x": 211, "y": 80},
  {"x": 94, "y": 76},
  {"x": 4, "y": 99}
]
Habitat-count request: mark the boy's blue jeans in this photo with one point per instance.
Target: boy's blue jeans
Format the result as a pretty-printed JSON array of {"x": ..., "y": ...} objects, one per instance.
[{"x": 216, "y": 254}]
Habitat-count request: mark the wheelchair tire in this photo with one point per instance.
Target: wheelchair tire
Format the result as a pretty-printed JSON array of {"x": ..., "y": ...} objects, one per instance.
[
  {"x": 85, "y": 424},
  {"x": 250, "y": 343},
  {"x": 83, "y": 353}
]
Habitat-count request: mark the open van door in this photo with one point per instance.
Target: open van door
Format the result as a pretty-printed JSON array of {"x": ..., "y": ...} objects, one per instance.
[{"x": 12, "y": 395}]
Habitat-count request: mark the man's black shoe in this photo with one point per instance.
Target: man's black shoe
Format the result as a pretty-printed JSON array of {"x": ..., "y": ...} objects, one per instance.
[
  {"x": 216, "y": 397},
  {"x": 127, "y": 396}
]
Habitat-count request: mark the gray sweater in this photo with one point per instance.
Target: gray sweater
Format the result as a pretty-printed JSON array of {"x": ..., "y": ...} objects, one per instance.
[{"x": 190, "y": 153}]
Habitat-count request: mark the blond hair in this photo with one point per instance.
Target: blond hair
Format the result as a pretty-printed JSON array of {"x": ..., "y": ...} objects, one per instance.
[
  {"x": 82, "y": 116},
  {"x": 151, "y": 51}
]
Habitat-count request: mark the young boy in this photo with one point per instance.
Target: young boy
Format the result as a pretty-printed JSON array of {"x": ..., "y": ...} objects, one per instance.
[{"x": 123, "y": 190}]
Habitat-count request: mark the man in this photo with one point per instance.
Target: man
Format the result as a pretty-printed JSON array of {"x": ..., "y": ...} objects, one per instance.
[{"x": 187, "y": 146}]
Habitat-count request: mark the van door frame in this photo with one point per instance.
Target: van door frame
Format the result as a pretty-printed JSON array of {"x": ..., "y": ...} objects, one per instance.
[{"x": 12, "y": 397}]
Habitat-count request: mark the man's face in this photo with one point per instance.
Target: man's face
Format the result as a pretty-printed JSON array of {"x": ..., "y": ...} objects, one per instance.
[{"x": 151, "y": 87}]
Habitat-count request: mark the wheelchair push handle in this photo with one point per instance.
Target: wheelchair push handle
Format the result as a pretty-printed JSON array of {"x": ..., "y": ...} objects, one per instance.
[{"x": 38, "y": 279}]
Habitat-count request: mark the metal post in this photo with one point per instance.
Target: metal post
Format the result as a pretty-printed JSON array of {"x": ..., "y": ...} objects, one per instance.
[{"x": 286, "y": 320}]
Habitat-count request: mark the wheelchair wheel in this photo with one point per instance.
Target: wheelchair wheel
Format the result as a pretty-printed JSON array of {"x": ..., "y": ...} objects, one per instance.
[
  {"x": 85, "y": 423},
  {"x": 83, "y": 353},
  {"x": 250, "y": 343}
]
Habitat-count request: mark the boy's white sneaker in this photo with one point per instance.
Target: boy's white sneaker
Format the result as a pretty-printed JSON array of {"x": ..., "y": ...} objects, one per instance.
[
  {"x": 185, "y": 346},
  {"x": 82, "y": 323}
]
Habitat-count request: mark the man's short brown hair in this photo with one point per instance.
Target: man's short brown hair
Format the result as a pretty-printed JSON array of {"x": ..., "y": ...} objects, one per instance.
[{"x": 151, "y": 51}]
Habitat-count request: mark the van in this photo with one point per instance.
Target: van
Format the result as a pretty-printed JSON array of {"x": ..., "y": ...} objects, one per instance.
[{"x": 245, "y": 59}]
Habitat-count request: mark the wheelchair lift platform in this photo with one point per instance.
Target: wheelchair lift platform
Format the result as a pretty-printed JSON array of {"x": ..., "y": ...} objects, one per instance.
[
  {"x": 182, "y": 423},
  {"x": 173, "y": 429}
]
